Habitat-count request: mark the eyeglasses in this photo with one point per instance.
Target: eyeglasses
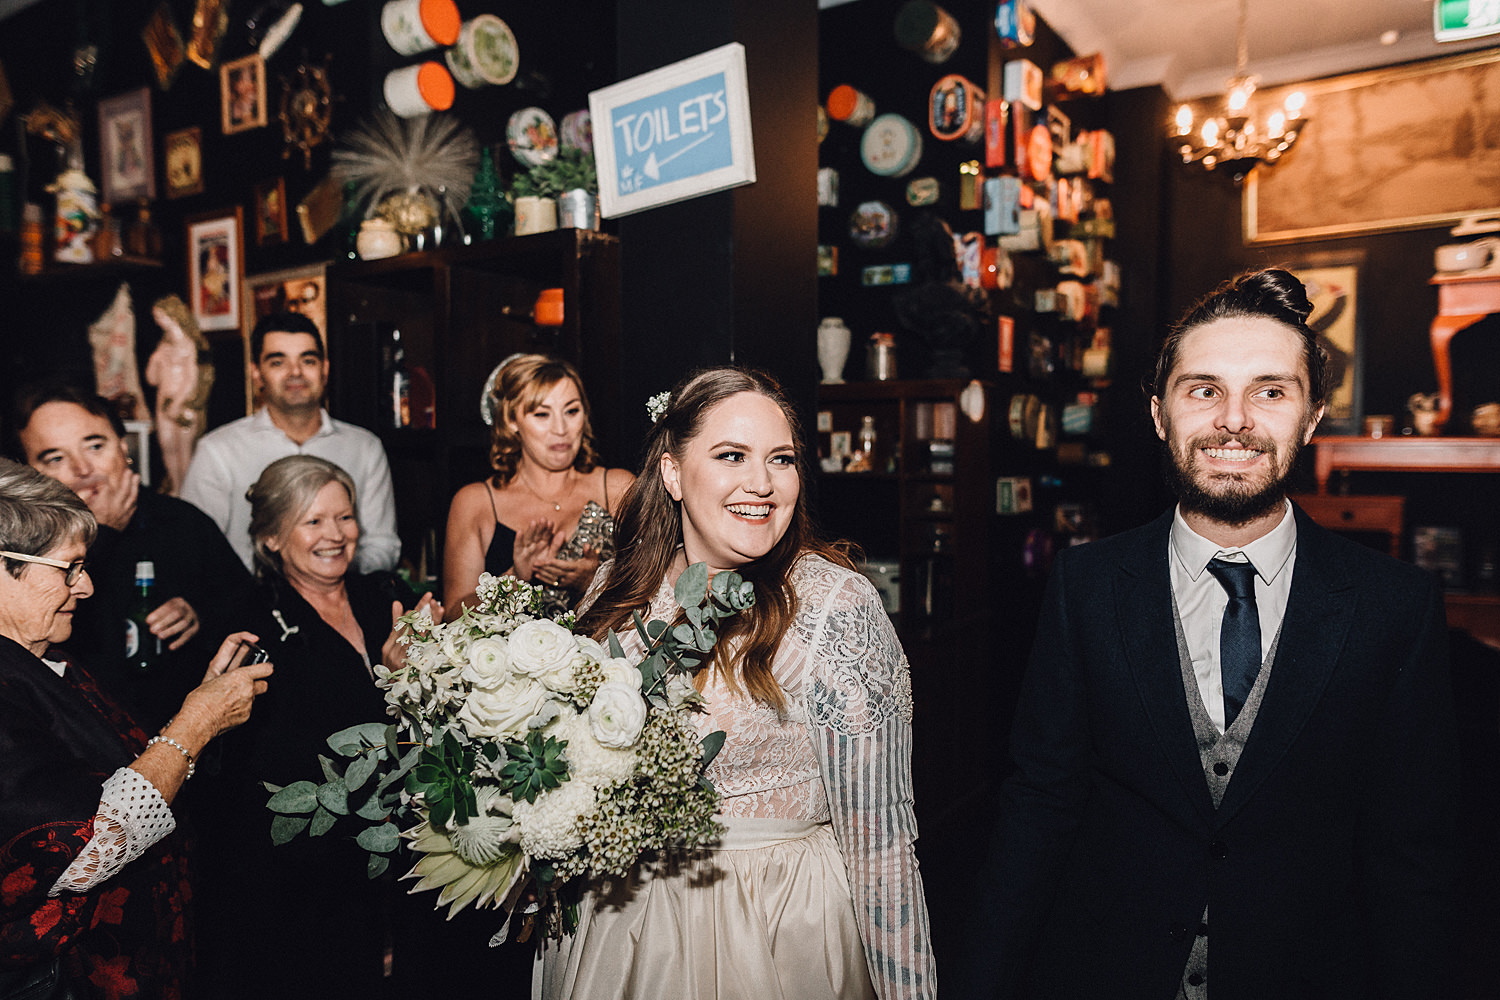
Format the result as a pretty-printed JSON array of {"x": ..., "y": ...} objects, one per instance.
[{"x": 73, "y": 570}]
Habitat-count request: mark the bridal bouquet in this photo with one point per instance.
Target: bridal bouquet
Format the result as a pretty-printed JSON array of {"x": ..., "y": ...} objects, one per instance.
[{"x": 523, "y": 756}]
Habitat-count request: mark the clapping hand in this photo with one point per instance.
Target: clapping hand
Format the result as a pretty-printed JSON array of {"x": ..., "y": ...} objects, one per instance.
[
  {"x": 574, "y": 574},
  {"x": 537, "y": 542},
  {"x": 393, "y": 651}
]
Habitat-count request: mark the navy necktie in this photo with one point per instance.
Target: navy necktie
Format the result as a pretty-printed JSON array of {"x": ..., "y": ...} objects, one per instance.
[{"x": 1239, "y": 639}]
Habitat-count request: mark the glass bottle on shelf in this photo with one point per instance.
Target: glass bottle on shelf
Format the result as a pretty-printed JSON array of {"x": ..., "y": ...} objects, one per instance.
[{"x": 396, "y": 383}]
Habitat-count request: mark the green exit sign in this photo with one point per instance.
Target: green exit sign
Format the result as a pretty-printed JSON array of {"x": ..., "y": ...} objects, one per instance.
[{"x": 1456, "y": 19}]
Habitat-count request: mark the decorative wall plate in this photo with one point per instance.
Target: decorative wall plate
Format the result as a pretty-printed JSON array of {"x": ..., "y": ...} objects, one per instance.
[
  {"x": 891, "y": 146},
  {"x": 532, "y": 136}
]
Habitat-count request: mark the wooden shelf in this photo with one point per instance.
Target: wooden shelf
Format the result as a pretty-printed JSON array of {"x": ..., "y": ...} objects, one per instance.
[
  {"x": 1404, "y": 454},
  {"x": 1477, "y": 614}
]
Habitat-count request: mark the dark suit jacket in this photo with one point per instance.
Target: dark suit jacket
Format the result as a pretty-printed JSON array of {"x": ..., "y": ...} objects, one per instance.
[{"x": 1328, "y": 868}]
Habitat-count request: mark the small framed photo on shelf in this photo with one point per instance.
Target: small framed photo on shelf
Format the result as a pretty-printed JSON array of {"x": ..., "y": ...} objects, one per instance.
[
  {"x": 1332, "y": 280},
  {"x": 216, "y": 265},
  {"x": 125, "y": 147},
  {"x": 242, "y": 94},
  {"x": 270, "y": 212},
  {"x": 183, "y": 152}
]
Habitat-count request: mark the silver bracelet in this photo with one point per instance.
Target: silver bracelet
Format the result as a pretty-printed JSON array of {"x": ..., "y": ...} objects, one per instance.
[{"x": 192, "y": 764}]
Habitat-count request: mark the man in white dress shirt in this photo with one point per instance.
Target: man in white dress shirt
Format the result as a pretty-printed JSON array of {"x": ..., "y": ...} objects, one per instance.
[
  {"x": 290, "y": 372},
  {"x": 1235, "y": 748}
]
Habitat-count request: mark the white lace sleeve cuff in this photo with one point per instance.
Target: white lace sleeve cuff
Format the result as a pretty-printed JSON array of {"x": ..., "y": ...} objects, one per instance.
[{"x": 132, "y": 816}]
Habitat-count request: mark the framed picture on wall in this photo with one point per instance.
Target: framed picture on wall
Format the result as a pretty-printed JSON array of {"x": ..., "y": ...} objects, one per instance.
[
  {"x": 216, "y": 264},
  {"x": 182, "y": 152},
  {"x": 673, "y": 133},
  {"x": 242, "y": 94},
  {"x": 1410, "y": 133},
  {"x": 125, "y": 148},
  {"x": 1333, "y": 287},
  {"x": 270, "y": 212},
  {"x": 300, "y": 290}
]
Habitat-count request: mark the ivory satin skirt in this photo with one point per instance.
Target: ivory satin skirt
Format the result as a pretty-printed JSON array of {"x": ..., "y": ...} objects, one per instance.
[{"x": 765, "y": 915}]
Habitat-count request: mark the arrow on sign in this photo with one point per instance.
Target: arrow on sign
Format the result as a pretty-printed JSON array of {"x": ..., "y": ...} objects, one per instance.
[{"x": 653, "y": 165}]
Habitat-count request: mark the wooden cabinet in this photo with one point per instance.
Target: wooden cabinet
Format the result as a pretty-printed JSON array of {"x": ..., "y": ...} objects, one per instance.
[
  {"x": 926, "y": 500},
  {"x": 461, "y": 311}
]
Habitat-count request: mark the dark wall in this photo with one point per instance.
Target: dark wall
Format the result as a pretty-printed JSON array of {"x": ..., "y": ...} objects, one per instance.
[{"x": 730, "y": 277}]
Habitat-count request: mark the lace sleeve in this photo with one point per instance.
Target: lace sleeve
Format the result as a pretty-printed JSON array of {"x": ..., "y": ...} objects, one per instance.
[
  {"x": 132, "y": 816},
  {"x": 859, "y": 707}
]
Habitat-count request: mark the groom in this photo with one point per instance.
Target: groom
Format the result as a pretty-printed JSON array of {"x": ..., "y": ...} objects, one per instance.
[{"x": 1235, "y": 746}]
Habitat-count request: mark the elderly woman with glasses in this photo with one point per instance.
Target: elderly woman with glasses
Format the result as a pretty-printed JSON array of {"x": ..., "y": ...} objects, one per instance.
[{"x": 92, "y": 875}]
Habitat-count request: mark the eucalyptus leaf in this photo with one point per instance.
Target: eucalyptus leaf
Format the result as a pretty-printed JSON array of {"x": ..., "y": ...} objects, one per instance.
[
  {"x": 684, "y": 634},
  {"x": 334, "y": 797},
  {"x": 366, "y": 734},
  {"x": 284, "y": 828},
  {"x": 694, "y": 617},
  {"x": 712, "y": 744},
  {"x": 359, "y": 771},
  {"x": 298, "y": 798},
  {"x": 380, "y": 839},
  {"x": 615, "y": 649},
  {"x": 692, "y": 585},
  {"x": 322, "y": 822},
  {"x": 330, "y": 772},
  {"x": 373, "y": 807},
  {"x": 376, "y": 865}
]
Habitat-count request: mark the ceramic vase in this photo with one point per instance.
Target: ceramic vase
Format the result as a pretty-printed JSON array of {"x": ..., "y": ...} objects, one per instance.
[{"x": 833, "y": 349}]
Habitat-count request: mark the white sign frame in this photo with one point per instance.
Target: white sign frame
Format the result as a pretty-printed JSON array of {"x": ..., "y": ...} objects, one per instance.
[{"x": 613, "y": 160}]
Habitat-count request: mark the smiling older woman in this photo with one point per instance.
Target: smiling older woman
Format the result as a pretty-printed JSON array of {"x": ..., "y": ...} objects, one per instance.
[
  {"x": 321, "y": 925},
  {"x": 92, "y": 886}
]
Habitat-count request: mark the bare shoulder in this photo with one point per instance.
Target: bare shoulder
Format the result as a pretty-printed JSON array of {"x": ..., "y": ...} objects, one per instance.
[
  {"x": 470, "y": 503},
  {"x": 617, "y": 481}
]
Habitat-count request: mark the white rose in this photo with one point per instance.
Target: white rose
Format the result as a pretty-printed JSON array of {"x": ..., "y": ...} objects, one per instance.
[
  {"x": 591, "y": 650},
  {"x": 489, "y": 662},
  {"x": 619, "y": 670},
  {"x": 503, "y": 711},
  {"x": 617, "y": 715},
  {"x": 545, "y": 651}
]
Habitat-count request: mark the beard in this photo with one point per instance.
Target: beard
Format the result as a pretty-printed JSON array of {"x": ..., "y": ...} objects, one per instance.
[{"x": 1229, "y": 498}]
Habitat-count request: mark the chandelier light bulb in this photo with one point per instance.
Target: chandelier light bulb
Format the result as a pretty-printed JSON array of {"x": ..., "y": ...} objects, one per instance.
[
  {"x": 1210, "y": 133},
  {"x": 1184, "y": 120},
  {"x": 1295, "y": 102},
  {"x": 1276, "y": 124}
]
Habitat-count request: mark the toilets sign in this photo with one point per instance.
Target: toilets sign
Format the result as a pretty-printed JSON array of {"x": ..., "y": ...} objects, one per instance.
[{"x": 674, "y": 133}]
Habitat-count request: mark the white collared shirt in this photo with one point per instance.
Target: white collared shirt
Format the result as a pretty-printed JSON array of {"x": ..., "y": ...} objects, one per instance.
[
  {"x": 1201, "y": 599},
  {"x": 228, "y": 460}
]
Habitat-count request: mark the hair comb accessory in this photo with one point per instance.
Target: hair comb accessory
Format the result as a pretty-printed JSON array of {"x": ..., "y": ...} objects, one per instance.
[
  {"x": 487, "y": 398},
  {"x": 656, "y": 406}
]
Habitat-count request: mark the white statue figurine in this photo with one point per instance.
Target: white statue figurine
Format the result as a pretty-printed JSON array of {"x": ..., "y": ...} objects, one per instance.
[{"x": 182, "y": 371}]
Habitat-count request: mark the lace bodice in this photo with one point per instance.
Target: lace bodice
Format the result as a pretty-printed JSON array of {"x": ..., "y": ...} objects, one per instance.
[{"x": 840, "y": 753}]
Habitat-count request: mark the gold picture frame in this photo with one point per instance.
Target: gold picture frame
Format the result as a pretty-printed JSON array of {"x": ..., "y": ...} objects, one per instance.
[
  {"x": 182, "y": 152},
  {"x": 301, "y": 290},
  {"x": 270, "y": 212},
  {"x": 1397, "y": 148},
  {"x": 242, "y": 94}
]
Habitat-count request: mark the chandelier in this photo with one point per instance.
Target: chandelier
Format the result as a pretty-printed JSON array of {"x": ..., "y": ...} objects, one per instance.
[{"x": 1236, "y": 138}]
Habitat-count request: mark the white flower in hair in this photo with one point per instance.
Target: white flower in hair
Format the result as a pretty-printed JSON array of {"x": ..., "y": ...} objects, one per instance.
[{"x": 657, "y": 405}]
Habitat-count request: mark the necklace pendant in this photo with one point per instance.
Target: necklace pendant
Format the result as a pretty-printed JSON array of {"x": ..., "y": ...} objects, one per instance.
[{"x": 557, "y": 506}]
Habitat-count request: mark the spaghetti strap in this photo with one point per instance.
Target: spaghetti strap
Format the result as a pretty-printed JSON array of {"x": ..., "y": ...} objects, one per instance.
[
  {"x": 606, "y": 488},
  {"x": 490, "y": 492}
]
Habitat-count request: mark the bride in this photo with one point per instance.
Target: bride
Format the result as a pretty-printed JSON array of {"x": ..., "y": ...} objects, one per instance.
[{"x": 813, "y": 892}]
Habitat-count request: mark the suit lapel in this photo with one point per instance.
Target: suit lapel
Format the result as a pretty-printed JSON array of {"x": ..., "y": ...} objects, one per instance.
[
  {"x": 1319, "y": 611},
  {"x": 1144, "y": 616}
]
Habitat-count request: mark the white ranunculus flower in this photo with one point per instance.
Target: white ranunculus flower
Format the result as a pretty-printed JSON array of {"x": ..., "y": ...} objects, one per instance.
[
  {"x": 489, "y": 662},
  {"x": 591, "y": 650},
  {"x": 617, "y": 715},
  {"x": 618, "y": 670},
  {"x": 544, "y": 650},
  {"x": 502, "y": 711}
]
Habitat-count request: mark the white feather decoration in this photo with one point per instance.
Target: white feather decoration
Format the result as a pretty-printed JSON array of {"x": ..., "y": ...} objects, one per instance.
[{"x": 386, "y": 155}]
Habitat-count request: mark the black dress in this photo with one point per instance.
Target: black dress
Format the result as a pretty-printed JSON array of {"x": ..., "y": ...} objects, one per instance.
[{"x": 301, "y": 919}]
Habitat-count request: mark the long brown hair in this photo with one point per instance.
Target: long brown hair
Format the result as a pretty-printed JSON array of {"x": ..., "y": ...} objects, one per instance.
[
  {"x": 524, "y": 381},
  {"x": 648, "y": 530}
]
